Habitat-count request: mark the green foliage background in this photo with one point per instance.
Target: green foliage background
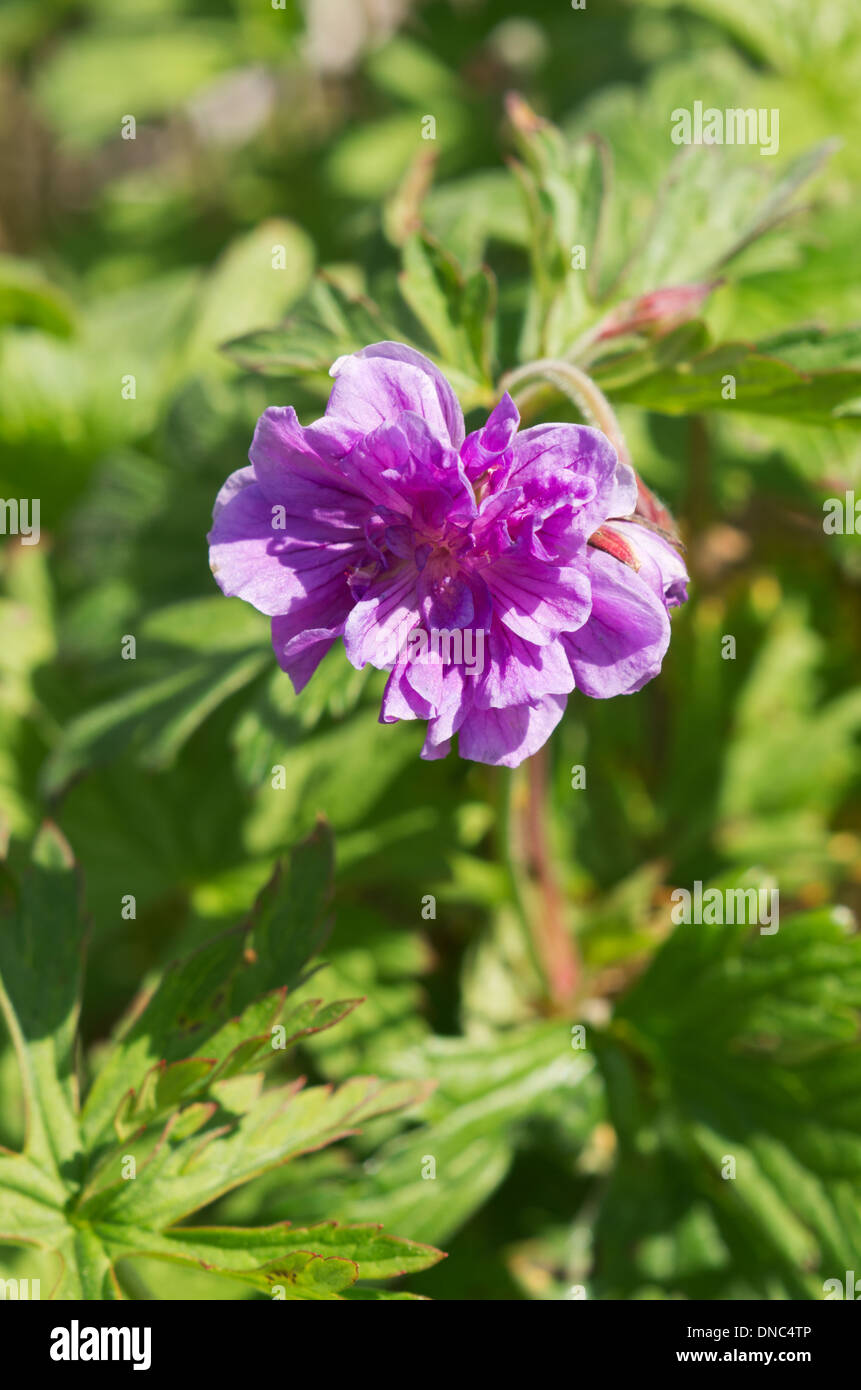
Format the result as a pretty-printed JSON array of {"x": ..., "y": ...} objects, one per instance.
[{"x": 555, "y": 1167}]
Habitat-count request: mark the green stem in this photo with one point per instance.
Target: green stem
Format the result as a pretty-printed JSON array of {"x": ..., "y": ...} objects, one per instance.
[
  {"x": 579, "y": 388},
  {"x": 513, "y": 855}
]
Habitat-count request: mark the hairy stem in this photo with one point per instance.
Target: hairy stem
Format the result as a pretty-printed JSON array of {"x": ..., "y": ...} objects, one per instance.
[{"x": 579, "y": 388}]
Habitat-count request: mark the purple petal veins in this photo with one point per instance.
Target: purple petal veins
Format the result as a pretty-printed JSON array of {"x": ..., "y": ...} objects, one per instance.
[{"x": 491, "y": 574}]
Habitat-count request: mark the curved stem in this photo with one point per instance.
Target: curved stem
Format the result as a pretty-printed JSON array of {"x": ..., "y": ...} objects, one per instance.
[{"x": 579, "y": 388}]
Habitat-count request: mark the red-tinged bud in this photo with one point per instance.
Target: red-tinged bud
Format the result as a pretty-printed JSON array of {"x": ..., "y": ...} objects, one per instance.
[
  {"x": 611, "y": 542},
  {"x": 521, "y": 114},
  {"x": 653, "y": 511},
  {"x": 656, "y": 313}
]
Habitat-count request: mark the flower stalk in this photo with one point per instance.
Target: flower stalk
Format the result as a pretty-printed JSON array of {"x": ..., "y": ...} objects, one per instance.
[
  {"x": 579, "y": 388},
  {"x": 540, "y": 897},
  {"x": 536, "y": 890}
]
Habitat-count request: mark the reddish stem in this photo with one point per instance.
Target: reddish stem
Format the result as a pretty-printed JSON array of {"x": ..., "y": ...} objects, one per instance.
[{"x": 553, "y": 941}]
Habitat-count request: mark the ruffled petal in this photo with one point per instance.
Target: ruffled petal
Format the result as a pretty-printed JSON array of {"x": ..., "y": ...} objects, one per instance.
[
  {"x": 432, "y": 751},
  {"x": 484, "y": 448},
  {"x": 518, "y": 672},
  {"x": 242, "y": 478},
  {"x": 504, "y": 737},
  {"x": 403, "y": 466},
  {"x": 400, "y": 699},
  {"x": 572, "y": 473},
  {"x": 300, "y": 653},
  {"x": 380, "y": 623},
  {"x": 375, "y": 386},
  {"x": 455, "y": 703}
]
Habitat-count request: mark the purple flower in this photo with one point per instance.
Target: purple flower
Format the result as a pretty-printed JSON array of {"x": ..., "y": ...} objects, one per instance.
[{"x": 479, "y": 570}]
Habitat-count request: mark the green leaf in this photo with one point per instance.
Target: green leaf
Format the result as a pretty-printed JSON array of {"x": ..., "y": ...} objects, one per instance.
[
  {"x": 465, "y": 214},
  {"x": 743, "y": 1046},
  {"x": 487, "y": 1094},
  {"x": 209, "y": 1002},
  {"x": 410, "y": 72},
  {"x": 810, "y": 378},
  {"x": 262, "y": 1256},
  {"x": 27, "y": 298},
  {"x": 145, "y": 73},
  {"x": 258, "y": 278},
  {"x": 180, "y": 1177},
  {"x": 783, "y": 35},
  {"x": 223, "y": 647},
  {"x": 87, "y": 1272},
  {"x": 158, "y": 717},
  {"x": 206, "y": 625},
  {"x": 303, "y": 1275},
  {"x": 238, "y": 1045},
  {"x": 340, "y": 772},
  {"x": 193, "y": 1123},
  {"x": 455, "y": 311},
  {"x": 565, "y": 190},
  {"x": 372, "y": 957},
  {"x": 41, "y": 947},
  {"x": 31, "y": 1202},
  {"x": 329, "y": 323},
  {"x": 370, "y": 157},
  {"x": 710, "y": 208},
  {"x": 772, "y": 803}
]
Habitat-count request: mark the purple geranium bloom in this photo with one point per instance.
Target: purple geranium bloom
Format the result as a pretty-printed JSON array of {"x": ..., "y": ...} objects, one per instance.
[{"x": 479, "y": 570}]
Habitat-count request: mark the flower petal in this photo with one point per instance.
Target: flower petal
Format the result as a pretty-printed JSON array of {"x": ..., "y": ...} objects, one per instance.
[
  {"x": 483, "y": 448},
  {"x": 379, "y": 623},
  {"x": 453, "y": 704},
  {"x": 661, "y": 565},
  {"x": 571, "y": 466},
  {"x": 400, "y": 699},
  {"x": 404, "y": 467},
  {"x": 518, "y": 672},
  {"x": 251, "y": 561},
  {"x": 242, "y": 478},
  {"x": 376, "y": 385},
  {"x": 624, "y": 642},
  {"x": 317, "y": 502},
  {"x": 538, "y": 600},
  {"x": 300, "y": 654},
  {"x": 504, "y": 737}
]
